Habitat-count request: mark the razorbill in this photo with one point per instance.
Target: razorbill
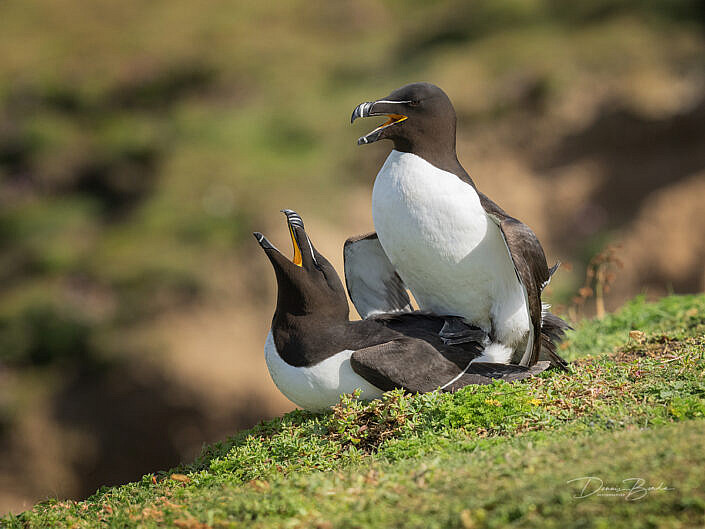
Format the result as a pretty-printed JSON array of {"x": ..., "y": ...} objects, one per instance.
[
  {"x": 314, "y": 353},
  {"x": 456, "y": 250}
]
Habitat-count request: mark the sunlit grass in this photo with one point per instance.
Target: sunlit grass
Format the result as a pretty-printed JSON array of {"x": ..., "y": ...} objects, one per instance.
[{"x": 482, "y": 457}]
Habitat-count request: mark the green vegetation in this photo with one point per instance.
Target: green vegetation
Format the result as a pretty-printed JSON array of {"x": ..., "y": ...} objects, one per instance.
[{"x": 486, "y": 456}]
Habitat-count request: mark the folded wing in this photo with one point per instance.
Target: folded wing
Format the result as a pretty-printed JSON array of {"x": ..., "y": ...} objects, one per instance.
[{"x": 417, "y": 367}]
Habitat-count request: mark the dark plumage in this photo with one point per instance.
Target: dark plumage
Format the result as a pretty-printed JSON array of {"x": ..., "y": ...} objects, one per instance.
[{"x": 400, "y": 350}]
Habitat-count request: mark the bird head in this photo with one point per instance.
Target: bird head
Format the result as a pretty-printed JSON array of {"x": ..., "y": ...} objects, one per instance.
[
  {"x": 307, "y": 283},
  {"x": 420, "y": 117}
]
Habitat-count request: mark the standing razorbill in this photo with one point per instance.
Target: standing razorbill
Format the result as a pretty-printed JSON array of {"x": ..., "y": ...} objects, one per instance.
[
  {"x": 314, "y": 353},
  {"x": 456, "y": 250}
]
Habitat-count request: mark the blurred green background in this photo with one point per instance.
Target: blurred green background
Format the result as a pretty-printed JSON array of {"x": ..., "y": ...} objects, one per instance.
[{"x": 141, "y": 143}]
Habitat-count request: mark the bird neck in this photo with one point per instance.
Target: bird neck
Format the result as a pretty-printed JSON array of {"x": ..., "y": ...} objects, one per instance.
[{"x": 443, "y": 157}]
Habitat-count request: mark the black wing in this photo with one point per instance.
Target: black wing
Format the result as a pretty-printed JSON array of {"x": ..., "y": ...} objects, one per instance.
[
  {"x": 530, "y": 266},
  {"x": 416, "y": 366},
  {"x": 372, "y": 281},
  {"x": 552, "y": 334}
]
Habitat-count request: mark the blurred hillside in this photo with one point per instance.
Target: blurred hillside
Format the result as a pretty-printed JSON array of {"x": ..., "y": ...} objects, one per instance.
[{"x": 141, "y": 143}]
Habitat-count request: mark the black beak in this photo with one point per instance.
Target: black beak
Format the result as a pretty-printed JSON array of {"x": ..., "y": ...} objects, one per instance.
[
  {"x": 295, "y": 222},
  {"x": 298, "y": 235},
  {"x": 293, "y": 218},
  {"x": 369, "y": 138},
  {"x": 303, "y": 249},
  {"x": 263, "y": 241},
  {"x": 304, "y": 253},
  {"x": 361, "y": 111},
  {"x": 382, "y": 107}
]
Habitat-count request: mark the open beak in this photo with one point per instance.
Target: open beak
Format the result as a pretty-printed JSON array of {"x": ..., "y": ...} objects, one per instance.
[
  {"x": 297, "y": 233},
  {"x": 293, "y": 221},
  {"x": 378, "y": 108}
]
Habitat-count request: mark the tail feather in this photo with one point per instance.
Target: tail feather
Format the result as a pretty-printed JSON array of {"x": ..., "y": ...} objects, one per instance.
[{"x": 552, "y": 334}]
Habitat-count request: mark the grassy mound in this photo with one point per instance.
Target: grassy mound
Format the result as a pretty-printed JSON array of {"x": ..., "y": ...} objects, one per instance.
[{"x": 629, "y": 417}]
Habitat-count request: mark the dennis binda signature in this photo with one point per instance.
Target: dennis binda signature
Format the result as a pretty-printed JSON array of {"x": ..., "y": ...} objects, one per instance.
[{"x": 631, "y": 489}]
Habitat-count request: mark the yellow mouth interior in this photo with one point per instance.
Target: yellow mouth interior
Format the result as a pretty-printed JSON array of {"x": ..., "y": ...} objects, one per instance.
[
  {"x": 392, "y": 119},
  {"x": 297, "y": 260}
]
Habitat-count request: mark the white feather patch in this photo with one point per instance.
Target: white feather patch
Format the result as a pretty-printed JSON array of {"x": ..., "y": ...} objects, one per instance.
[
  {"x": 446, "y": 249},
  {"x": 545, "y": 307},
  {"x": 319, "y": 386}
]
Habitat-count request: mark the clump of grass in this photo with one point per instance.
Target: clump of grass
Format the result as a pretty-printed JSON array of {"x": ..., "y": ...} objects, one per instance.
[{"x": 353, "y": 423}]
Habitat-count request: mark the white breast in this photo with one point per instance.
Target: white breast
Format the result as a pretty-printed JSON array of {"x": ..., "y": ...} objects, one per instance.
[
  {"x": 449, "y": 253},
  {"x": 319, "y": 386}
]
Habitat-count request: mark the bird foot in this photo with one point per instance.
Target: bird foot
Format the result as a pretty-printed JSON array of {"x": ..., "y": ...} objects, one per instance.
[{"x": 456, "y": 331}]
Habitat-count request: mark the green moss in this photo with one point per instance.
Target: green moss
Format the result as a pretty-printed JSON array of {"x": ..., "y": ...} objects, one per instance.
[{"x": 676, "y": 316}]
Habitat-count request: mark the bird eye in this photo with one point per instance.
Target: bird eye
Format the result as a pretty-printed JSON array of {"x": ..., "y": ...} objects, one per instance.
[{"x": 414, "y": 103}]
